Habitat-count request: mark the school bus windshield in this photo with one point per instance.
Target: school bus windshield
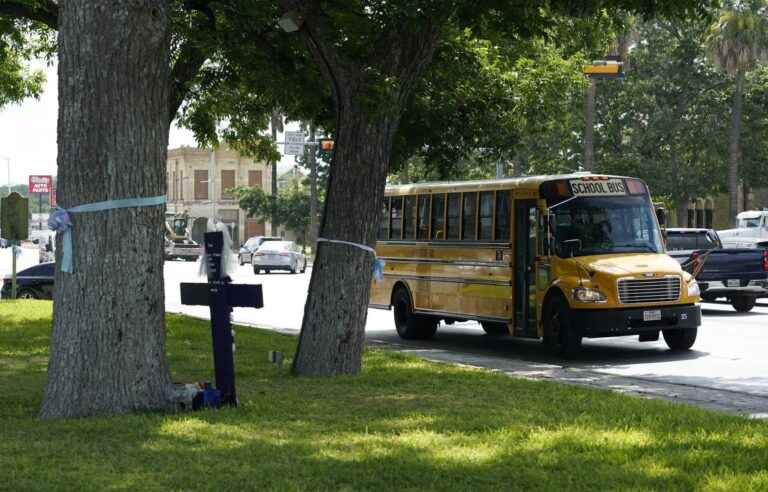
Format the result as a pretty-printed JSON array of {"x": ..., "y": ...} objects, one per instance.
[{"x": 607, "y": 225}]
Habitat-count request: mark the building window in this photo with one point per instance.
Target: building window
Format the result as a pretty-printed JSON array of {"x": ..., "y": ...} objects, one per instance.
[
  {"x": 201, "y": 185},
  {"x": 227, "y": 183},
  {"x": 254, "y": 179}
]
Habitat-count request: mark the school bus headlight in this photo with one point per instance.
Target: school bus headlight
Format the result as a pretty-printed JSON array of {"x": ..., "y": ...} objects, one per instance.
[
  {"x": 693, "y": 288},
  {"x": 585, "y": 294}
]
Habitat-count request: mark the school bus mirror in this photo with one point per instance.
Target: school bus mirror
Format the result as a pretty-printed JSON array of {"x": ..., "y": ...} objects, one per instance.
[{"x": 570, "y": 247}]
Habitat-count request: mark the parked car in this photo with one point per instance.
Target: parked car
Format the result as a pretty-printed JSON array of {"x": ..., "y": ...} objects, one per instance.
[
  {"x": 245, "y": 255},
  {"x": 738, "y": 274},
  {"x": 279, "y": 255},
  {"x": 32, "y": 283}
]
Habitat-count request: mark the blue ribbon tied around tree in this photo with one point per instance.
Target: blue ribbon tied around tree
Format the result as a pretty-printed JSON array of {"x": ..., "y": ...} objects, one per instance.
[
  {"x": 378, "y": 263},
  {"x": 60, "y": 221}
]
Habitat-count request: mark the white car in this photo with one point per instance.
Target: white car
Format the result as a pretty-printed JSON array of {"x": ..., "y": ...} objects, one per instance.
[
  {"x": 245, "y": 255},
  {"x": 279, "y": 255}
]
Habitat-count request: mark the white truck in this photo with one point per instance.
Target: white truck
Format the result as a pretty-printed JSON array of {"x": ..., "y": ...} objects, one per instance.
[{"x": 751, "y": 231}]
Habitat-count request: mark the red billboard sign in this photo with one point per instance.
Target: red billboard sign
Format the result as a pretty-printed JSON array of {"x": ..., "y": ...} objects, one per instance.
[{"x": 40, "y": 184}]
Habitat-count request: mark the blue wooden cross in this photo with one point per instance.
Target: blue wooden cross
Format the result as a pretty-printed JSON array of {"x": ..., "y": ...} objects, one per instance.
[{"x": 221, "y": 295}]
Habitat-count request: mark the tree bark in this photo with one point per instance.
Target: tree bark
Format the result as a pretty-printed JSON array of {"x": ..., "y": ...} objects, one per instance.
[
  {"x": 108, "y": 341},
  {"x": 734, "y": 150},
  {"x": 333, "y": 329},
  {"x": 589, "y": 126}
]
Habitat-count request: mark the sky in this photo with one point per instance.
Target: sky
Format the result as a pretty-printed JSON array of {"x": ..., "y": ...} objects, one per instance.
[{"x": 28, "y": 134}]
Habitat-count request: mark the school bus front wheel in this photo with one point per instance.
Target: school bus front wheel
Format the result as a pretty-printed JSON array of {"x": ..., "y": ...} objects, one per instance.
[{"x": 559, "y": 333}]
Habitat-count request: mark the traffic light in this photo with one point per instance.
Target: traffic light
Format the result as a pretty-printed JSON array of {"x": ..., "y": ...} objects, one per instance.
[
  {"x": 604, "y": 69},
  {"x": 325, "y": 149}
]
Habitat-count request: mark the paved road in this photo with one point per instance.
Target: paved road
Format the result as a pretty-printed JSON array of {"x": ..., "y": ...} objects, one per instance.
[{"x": 728, "y": 363}]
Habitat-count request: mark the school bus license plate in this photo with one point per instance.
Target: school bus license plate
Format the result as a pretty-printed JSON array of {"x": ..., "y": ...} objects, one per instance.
[{"x": 654, "y": 315}]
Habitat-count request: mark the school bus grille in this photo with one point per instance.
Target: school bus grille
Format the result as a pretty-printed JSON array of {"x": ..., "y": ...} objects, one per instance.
[{"x": 637, "y": 291}]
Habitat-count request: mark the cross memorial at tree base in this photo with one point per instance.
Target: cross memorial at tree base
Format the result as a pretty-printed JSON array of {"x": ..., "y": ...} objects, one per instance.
[{"x": 221, "y": 295}]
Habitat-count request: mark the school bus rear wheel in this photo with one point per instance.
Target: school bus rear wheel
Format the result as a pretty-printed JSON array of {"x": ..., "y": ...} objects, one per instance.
[{"x": 411, "y": 326}]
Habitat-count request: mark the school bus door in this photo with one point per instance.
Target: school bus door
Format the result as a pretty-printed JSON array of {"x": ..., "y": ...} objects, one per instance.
[{"x": 524, "y": 247}]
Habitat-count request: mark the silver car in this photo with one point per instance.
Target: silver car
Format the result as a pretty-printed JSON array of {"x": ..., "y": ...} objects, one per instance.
[
  {"x": 279, "y": 255},
  {"x": 245, "y": 255}
]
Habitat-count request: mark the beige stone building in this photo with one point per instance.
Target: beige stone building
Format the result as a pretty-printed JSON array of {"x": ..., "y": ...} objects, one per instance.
[
  {"x": 197, "y": 184},
  {"x": 712, "y": 212}
]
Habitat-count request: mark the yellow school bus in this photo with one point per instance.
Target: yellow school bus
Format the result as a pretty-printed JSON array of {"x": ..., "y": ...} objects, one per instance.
[{"x": 554, "y": 257}]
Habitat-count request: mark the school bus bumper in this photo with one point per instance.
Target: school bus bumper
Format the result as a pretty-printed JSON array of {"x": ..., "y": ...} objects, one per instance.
[{"x": 595, "y": 323}]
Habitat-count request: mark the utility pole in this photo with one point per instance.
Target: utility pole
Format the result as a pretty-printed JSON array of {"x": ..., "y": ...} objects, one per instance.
[
  {"x": 313, "y": 222},
  {"x": 589, "y": 126},
  {"x": 612, "y": 68},
  {"x": 276, "y": 120}
]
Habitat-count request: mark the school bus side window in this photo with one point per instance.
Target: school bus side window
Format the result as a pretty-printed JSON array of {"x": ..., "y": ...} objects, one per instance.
[
  {"x": 452, "y": 226},
  {"x": 438, "y": 216},
  {"x": 486, "y": 215},
  {"x": 384, "y": 220},
  {"x": 396, "y": 216},
  {"x": 422, "y": 231},
  {"x": 502, "y": 216},
  {"x": 469, "y": 216},
  {"x": 409, "y": 218}
]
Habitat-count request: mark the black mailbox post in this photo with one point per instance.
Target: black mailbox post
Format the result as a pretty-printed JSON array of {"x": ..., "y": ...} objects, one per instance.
[{"x": 221, "y": 295}]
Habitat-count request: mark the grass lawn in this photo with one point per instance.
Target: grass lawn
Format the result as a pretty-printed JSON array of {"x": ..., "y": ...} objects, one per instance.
[{"x": 402, "y": 424}]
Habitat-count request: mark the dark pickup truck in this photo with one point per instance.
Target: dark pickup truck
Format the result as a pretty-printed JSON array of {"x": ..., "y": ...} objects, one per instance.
[{"x": 738, "y": 274}]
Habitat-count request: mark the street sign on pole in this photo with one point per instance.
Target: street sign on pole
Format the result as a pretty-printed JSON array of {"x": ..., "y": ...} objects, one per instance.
[
  {"x": 294, "y": 143},
  {"x": 40, "y": 184}
]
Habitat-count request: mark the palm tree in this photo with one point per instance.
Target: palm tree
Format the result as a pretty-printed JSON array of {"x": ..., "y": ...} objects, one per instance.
[{"x": 737, "y": 42}]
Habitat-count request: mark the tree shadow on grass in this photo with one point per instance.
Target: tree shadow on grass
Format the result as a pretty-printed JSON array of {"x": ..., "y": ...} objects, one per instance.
[{"x": 402, "y": 424}]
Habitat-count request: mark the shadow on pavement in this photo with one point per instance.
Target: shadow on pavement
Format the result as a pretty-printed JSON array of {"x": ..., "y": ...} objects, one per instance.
[{"x": 594, "y": 353}]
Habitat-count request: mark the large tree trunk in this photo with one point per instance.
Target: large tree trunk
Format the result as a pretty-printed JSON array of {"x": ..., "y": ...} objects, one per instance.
[
  {"x": 333, "y": 330},
  {"x": 589, "y": 126},
  {"x": 734, "y": 149},
  {"x": 108, "y": 342}
]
